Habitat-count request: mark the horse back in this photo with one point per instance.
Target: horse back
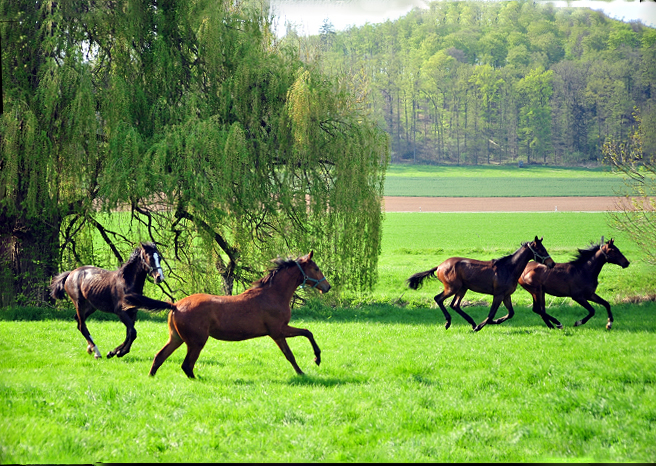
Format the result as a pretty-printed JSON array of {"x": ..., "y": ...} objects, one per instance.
[
  {"x": 564, "y": 279},
  {"x": 97, "y": 286},
  {"x": 230, "y": 318}
]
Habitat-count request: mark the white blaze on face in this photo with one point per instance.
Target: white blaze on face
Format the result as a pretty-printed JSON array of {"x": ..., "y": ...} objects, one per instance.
[{"x": 157, "y": 266}]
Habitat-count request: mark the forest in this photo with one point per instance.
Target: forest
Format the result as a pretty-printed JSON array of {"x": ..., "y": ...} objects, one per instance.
[{"x": 498, "y": 82}]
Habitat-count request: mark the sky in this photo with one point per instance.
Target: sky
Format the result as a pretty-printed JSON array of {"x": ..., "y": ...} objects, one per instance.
[{"x": 309, "y": 15}]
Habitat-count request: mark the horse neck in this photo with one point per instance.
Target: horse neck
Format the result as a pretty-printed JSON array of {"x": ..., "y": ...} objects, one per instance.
[
  {"x": 285, "y": 284},
  {"x": 134, "y": 275},
  {"x": 595, "y": 263},
  {"x": 519, "y": 259}
]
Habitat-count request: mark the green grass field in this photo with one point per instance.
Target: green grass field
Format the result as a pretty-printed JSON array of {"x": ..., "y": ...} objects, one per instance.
[
  {"x": 393, "y": 385},
  {"x": 499, "y": 181},
  {"x": 414, "y": 242}
]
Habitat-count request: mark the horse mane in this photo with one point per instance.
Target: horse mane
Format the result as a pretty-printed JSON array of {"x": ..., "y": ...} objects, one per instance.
[
  {"x": 136, "y": 255},
  {"x": 280, "y": 264},
  {"x": 508, "y": 258},
  {"x": 584, "y": 255},
  {"x": 133, "y": 257}
]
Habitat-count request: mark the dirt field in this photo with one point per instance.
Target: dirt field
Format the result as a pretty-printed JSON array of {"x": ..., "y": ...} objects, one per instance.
[{"x": 500, "y": 204}]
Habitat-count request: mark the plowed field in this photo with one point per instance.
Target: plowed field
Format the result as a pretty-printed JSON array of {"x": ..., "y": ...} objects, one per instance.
[{"x": 500, "y": 204}]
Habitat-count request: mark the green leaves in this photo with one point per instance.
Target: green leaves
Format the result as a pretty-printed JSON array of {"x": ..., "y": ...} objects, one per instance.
[{"x": 226, "y": 152}]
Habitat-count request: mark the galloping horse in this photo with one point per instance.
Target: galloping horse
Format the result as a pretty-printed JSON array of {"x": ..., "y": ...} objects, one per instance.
[
  {"x": 577, "y": 279},
  {"x": 119, "y": 292},
  {"x": 261, "y": 310},
  {"x": 497, "y": 277}
]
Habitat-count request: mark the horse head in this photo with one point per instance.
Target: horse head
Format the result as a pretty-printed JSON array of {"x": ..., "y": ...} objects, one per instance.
[
  {"x": 540, "y": 253},
  {"x": 151, "y": 260},
  {"x": 312, "y": 273},
  {"x": 613, "y": 254}
]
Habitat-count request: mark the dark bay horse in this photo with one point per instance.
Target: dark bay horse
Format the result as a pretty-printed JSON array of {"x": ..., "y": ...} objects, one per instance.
[
  {"x": 497, "y": 277},
  {"x": 259, "y": 311},
  {"x": 119, "y": 292},
  {"x": 577, "y": 279}
]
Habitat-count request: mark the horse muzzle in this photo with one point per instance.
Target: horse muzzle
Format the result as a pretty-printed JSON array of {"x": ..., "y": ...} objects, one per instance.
[
  {"x": 549, "y": 262},
  {"x": 324, "y": 287},
  {"x": 158, "y": 277}
]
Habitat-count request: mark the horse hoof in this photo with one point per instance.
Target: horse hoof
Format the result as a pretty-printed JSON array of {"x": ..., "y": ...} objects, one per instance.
[
  {"x": 110, "y": 355},
  {"x": 577, "y": 323},
  {"x": 447, "y": 325},
  {"x": 559, "y": 326},
  {"x": 609, "y": 325},
  {"x": 317, "y": 361}
]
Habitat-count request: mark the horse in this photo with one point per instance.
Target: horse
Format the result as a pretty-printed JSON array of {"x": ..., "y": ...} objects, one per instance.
[
  {"x": 264, "y": 309},
  {"x": 577, "y": 279},
  {"x": 119, "y": 292},
  {"x": 497, "y": 277}
]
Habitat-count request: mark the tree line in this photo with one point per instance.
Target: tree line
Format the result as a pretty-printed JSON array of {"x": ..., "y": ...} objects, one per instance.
[
  {"x": 496, "y": 82},
  {"x": 217, "y": 141}
]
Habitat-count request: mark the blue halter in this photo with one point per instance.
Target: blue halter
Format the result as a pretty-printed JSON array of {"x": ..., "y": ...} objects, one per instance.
[
  {"x": 306, "y": 278},
  {"x": 537, "y": 257}
]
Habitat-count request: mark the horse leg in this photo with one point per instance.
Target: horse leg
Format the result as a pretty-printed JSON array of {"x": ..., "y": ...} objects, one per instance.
[
  {"x": 439, "y": 299},
  {"x": 511, "y": 312},
  {"x": 289, "y": 332},
  {"x": 193, "y": 351},
  {"x": 595, "y": 298},
  {"x": 455, "y": 305},
  {"x": 173, "y": 344},
  {"x": 83, "y": 311},
  {"x": 130, "y": 335},
  {"x": 588, "y": 307},
  {"x": 496, "y": 302},
  {"x": 284, "y": 347},
  {"x": 539, "y": 309},
  {"x": 547, "y": 317}
]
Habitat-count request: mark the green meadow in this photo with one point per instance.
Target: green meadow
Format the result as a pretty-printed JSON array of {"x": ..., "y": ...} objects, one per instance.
[
  {"x": 393, "y": 384},
  {"x": 500, "y": 181},
  {"x": 414, "y": 242}
]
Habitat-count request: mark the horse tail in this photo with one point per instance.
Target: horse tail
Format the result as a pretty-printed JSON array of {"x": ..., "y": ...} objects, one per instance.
[
  {"x": 416, "y": 280},
  {"x": 146, "y": 304},
  {"x": 57, "y": 290}
]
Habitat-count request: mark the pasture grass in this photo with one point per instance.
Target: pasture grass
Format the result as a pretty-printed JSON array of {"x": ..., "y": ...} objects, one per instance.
[
  {"x": 500, "y": 181},
  {"x": 393, "y": 386},
  {"x": 414, "y": 242}
]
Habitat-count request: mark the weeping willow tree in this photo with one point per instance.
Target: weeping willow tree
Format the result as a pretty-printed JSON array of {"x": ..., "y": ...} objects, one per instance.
[{"x": 183, "y": 123}]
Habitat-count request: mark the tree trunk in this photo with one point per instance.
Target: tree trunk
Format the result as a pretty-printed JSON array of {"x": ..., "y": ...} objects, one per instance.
[{"x": 28, "y": 260}]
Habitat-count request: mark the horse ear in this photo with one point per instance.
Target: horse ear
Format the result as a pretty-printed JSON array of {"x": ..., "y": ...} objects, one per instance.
[
  {"x": 309, "y": 256},
  {"x": 610, "y": 242},
  {"x": 536, "y": 239}
]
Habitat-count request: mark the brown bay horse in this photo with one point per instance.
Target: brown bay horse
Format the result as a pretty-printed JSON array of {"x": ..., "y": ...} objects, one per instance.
[
  {"x": 119, "y": 292},
  {"x": 264, "y": 309},
  {"x": 497, "y": 277},
  {"x": 577, "y": 279}
]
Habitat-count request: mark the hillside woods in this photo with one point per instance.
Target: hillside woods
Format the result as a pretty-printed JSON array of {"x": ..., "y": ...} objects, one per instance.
[{"x": 494, "y": 82}]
